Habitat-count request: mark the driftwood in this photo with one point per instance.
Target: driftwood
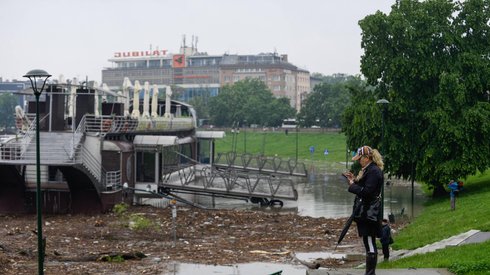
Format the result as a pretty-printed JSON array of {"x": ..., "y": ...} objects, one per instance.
[
  {"x": 106, "y": 257},
  {"x": 310, "y": 265}
]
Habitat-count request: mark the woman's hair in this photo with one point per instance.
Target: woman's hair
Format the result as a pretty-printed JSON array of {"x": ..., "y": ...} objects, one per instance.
[
  {"x": 373, "y": 155},
  {"x": 377, "y": 159}
]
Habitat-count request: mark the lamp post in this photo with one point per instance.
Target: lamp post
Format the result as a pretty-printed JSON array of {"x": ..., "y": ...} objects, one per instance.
[
  {"x": 412, "y": 168},
  {"x": 245, "y": 136},
  {"x": 384, "y": 104},
  {"x": 34, "y": 76}
]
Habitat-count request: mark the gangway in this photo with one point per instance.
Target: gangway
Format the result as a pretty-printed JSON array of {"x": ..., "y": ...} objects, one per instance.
[{"x": 265, "y": 180}]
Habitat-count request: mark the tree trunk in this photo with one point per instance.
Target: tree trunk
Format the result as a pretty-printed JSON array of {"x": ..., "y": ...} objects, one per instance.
[{"x": 439, "y": 192}]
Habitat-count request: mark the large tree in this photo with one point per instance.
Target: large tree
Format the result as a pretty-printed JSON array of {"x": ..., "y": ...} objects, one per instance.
[
  {"x": 248, "y": 100},
  {"x": 324, "y": 106},
  {"x": 431, "y": 60}
]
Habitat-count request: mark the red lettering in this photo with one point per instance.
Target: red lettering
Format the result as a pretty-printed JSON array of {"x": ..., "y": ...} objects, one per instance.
[
  {"x": 156, "y": 52},
  {"x": 126, "y": 54},
  {"x": 118, "y": 54},
  {"x": 135, "y": 54}
]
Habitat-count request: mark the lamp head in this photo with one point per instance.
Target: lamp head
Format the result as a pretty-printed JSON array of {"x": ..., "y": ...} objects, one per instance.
[
  {"x": 34, "y": 76},
  {"x": 37, "y": 73},
  {"x": 382, "y": 101}
]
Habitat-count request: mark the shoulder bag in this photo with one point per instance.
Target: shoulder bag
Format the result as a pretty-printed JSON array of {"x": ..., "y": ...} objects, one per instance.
[{"x": 367, "y": 211}]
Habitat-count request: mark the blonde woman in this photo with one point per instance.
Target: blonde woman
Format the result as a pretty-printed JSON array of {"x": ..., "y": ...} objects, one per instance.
[{"x": 367, "y": 187}]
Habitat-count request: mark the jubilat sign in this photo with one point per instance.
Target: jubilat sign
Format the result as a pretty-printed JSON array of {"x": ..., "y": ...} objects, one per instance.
[{"x": 140, "y": 53}]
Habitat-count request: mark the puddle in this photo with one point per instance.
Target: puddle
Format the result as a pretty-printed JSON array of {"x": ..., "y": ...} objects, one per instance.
[
  {"x": 310, "y": 256},
  {"x": 250, "y": 268},
  {"x": 238, "y": 269}
]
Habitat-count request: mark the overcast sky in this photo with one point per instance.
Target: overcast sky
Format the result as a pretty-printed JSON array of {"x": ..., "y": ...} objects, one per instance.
[{"x": 76, "y": 38}]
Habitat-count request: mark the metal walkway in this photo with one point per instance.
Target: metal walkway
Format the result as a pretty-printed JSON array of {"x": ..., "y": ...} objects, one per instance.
[{"x": 258, "y": 178}]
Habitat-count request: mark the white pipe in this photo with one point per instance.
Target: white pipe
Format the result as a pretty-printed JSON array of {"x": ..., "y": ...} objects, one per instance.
[
  {"x": 146, "y": 100},
  {"x": 126, "y": 85},
  {"x": 154, "y": 101},
  {"x": 96, "y": 100},
  {"x": 168, "y": 93},
  {"x": 136, "y": 100}
]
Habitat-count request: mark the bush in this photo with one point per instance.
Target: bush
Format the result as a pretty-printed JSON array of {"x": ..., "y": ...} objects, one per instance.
[
  {"x": 137, "y": 222},
  {"x": 120, "y": 209}
]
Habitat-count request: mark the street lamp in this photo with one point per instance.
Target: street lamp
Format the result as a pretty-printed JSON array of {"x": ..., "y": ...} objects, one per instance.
[
  {"x": 384, "y": 103},
  {"x": 34, "y": 76},
  {"x": 245, "y": 136},
  {"x": 412, "y": 145}
]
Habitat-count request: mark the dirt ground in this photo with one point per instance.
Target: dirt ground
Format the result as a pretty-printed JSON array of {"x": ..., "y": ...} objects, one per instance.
[{"x": 140, "y": 240}]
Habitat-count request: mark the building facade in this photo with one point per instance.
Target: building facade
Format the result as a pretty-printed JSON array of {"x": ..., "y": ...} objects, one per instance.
[{"x": 199, "y": 74}]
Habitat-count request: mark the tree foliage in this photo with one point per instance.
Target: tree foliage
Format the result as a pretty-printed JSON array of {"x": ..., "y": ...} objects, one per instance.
[
  {"x": 324, "y": 106},
  {"x": 431, "y": 60},
  {"x": 248, "y": 100},
  {"x": 7, "y": 110}
]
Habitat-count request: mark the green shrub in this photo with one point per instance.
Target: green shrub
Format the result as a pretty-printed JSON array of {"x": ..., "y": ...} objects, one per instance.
[
  {"x": 120, "y": 209},
  {"x": 137, "y": 222}
]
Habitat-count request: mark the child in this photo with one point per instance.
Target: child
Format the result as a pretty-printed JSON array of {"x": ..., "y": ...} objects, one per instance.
[
  {"x": 454, "y": 188},
  {"x": 386, "y": 239}
]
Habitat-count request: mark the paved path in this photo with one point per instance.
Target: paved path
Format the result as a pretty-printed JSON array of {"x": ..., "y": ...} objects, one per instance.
[{"x": 471, "y": 236}]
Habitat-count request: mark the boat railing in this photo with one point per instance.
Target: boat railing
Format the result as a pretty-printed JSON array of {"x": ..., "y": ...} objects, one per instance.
[
  {"x": 15, "y": 150},
  {"x": 77, "y": 137},
  {"x": 93, "y": 165},
  {"x": 122, "y": 124}
]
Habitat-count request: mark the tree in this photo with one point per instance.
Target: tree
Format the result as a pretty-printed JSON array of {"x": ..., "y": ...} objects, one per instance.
[
  {"x": 431, "y": 60},
  {"x": 7, "y": 110},
  {"x": 201, "y": 105},
  {"x": 249, "y": 100},
  {"x": 324, "y": 106}
]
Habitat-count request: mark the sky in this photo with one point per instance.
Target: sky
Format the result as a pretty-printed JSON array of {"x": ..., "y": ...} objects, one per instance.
[{"x": 77, "y": 37}]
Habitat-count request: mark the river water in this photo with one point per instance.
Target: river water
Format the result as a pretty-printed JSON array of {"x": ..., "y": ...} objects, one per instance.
[{"x": 324, "y": 194}]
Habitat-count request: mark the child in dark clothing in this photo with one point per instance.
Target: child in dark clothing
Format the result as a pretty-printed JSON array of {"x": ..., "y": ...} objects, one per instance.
[{"x": 386, "y": 239}]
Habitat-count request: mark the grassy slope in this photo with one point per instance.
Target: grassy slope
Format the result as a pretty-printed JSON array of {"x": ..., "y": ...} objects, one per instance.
[{"x": 438, "y": 222}]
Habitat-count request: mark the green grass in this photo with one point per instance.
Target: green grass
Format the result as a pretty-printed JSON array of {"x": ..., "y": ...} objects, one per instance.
[
  {"x": 438, "y": 222},
  {"x": 466, "y": 259},
  {"x": 284, "y": 146}
]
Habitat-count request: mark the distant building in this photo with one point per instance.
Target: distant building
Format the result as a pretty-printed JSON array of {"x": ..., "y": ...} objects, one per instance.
[{"x": 200, "y": 74}]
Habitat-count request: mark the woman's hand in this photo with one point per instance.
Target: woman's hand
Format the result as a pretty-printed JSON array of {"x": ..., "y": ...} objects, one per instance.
[{"x": 349, "y": 176}]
